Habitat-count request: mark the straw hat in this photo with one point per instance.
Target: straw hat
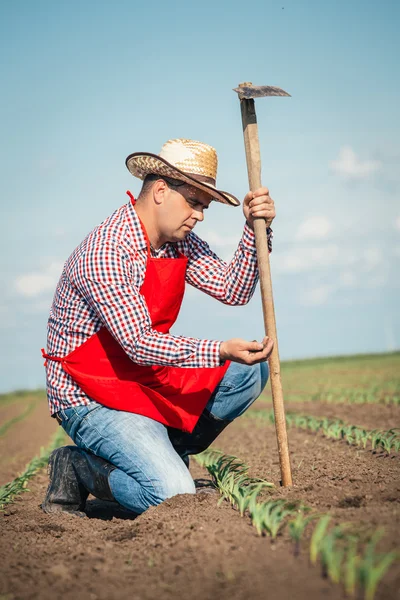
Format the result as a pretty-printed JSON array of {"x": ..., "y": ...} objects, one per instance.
[{"x": 193, "y": 162}]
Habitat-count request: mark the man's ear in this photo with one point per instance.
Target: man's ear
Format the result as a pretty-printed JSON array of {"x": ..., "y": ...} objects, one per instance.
[{"x": 159, "y": 189}]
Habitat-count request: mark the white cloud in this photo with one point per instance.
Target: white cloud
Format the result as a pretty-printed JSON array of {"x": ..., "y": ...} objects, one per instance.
[
  {"x": 303, "y": 258},
  {"x": 217, "y": 239},
  {"x": 306, "y": 259},
  {"x": 397, "y": 223},
  {"x": 318, "y": 295},
  {"x": 350, "y": 166},
  {"x": 38, "y": 282},
  {"x": 373, "y": 257},
  {"x": 313, "y": 228},
  {"x": 347, "y": 279},
  {"x": 377, "y": 279}
]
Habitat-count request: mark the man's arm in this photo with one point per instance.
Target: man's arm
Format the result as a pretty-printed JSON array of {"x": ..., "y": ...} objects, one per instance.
[{"x": 232, "y": 283}]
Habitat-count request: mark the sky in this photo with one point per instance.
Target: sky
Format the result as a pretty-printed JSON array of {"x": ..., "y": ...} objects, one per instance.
[{"x": 85, "y": 84}]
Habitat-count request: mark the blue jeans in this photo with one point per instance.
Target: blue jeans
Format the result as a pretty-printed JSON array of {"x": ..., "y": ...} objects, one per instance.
[{"x": 148, "y": 468}]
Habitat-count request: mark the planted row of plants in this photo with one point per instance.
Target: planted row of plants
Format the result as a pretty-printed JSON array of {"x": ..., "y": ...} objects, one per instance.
[
  {"x": 9, "y": 491},
  {"x": 347, "y": 554},
  {"x": 23, "y": 415},
  {"x": 357, "y": 396},
  {"x": 388, "y": 440},
  {"x": 348, "y": 380}
]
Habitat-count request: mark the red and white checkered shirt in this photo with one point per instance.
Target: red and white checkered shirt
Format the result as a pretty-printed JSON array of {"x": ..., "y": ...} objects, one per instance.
[{"x": 100, "y": 285}]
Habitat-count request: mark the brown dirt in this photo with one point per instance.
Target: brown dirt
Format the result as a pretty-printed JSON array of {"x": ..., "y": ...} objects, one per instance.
[
  {"x": 325, "y": 472},
  {"x": 329, "y": 476},
  {"x": 9, "y": 411},
  {"x": 189, "y": 547},
  {"x": 24, "y": 439}
]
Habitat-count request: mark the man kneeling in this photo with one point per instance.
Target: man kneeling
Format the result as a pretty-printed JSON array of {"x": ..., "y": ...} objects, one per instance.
[{"x": 136, "y": 400}]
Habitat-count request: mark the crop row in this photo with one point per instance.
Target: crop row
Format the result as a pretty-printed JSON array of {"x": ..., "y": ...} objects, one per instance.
[
  {"x": 9, "y": 491},
  {"x": 388, "y": 440},
  {"x": 347, "y": 554},
  {"x": 25, "y": 413},
  {"x": 352, "y": 396}
]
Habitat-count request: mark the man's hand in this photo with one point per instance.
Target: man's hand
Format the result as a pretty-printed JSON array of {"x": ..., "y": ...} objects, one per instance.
[
  {"x": 246, "y": 353},
  {"x": 259, "y": 204}
]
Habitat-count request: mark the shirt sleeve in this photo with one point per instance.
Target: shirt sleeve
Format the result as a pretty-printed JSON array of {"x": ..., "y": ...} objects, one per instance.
[
  {"x": 232, "y": 283},
  {"x": 109, "y": 280}
]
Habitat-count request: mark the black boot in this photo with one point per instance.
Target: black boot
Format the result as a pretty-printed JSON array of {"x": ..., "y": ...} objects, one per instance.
[
  {"x": 74, "y": 474},
  {"x": 206, "y": 430}
]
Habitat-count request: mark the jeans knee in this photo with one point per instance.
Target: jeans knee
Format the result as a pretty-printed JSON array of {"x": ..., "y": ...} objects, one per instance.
[
  {"x": 264, "y": 374},
  {"x": 173, "y": 487},
  {"x": 259, "y": 377}
]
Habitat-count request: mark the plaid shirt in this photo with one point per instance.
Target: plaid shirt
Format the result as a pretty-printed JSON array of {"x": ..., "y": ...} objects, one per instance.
[{"x": 100, "y": 286}]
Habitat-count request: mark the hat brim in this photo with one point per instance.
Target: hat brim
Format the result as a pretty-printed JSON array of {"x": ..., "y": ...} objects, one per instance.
[{"x": 140, "y": 164}]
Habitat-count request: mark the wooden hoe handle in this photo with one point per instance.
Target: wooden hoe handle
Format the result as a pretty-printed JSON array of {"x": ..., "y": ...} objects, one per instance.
[{"x": 253, "y": 159}]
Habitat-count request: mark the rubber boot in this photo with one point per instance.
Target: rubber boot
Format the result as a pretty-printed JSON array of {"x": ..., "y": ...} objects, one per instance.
[
  {"x": 206, "y": 430},
  {"x": 74, "y": 474}
]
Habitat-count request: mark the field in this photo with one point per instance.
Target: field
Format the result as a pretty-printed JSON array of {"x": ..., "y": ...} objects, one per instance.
[{"x": 333, "y": 535}]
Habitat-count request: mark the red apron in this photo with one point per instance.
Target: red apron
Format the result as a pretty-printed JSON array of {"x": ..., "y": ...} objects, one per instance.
[{"x": 173, "y": 396}]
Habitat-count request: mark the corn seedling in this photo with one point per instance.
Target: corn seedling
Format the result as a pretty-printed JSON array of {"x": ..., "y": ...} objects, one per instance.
[
  {"x": 336, "y": 429},
  {"x": 231, "y": 478},
  {"x": 347, "y": 556},
  {"x": 373, "y": 566},
  {"x": 351, "y": 567},
  {"x": 317, "y": 537},
  {"x": 332, "y": 548},
  {"x": 271, "y": 516},
  {"x": 298, "y": 526}
]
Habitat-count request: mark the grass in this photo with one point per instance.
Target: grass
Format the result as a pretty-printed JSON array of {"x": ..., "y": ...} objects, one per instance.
[{"x": 363, "y": 379}]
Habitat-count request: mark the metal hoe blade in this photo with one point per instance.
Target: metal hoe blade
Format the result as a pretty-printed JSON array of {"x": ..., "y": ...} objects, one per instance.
[{"x": 246, "y": 91}]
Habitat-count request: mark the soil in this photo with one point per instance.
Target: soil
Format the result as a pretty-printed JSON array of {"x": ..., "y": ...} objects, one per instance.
[
  {"x": 24, "y": 439},
  {"x": 187, "y": 547},
  {"x": 190, "y": 546},
  {"x": 328, "y": 475}
]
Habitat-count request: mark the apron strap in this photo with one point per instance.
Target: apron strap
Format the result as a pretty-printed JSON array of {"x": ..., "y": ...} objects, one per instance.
[
  {"x": 48, "y": 357},
  {"x": 131, "y": 196}
]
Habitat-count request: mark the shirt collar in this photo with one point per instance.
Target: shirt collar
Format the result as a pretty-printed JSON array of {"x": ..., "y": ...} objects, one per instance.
[{"x": 139, "y": 240}]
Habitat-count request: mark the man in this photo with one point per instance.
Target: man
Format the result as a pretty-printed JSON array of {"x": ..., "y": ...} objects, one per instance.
[{"x": 136, "y": 400}]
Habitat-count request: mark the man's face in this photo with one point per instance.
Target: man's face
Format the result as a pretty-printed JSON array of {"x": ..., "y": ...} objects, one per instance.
[{"x": 181, "y": 209}]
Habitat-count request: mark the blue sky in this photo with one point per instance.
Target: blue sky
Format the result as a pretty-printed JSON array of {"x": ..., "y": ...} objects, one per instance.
[{"x": 85, "y": 83}]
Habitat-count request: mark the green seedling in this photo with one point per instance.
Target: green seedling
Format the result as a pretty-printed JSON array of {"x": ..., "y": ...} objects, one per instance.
[
  {"x": 275, "y": 514},
  {"x": 387, "y": 442},
  {"x": 351, "y": 567},
  {"x": 332, "y": 551},
  {"x": 373, "y": 566},
  {"x": 317, "y": 537},
  {"x": 298, "y": 526}
]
